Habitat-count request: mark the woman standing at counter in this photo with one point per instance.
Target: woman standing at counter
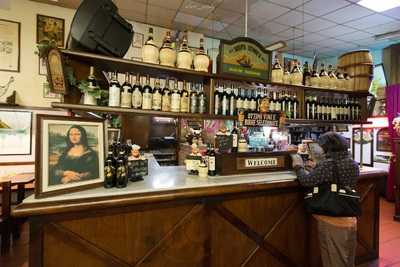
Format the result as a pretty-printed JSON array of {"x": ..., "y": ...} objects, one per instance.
[{"x": 337, "y": 235}]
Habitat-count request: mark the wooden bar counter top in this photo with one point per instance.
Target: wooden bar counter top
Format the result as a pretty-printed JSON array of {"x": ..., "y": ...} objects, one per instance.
[{"x": 174, "y": 219}]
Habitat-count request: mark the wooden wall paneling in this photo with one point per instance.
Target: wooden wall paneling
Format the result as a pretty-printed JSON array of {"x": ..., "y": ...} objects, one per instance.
[{"x": 136, "y": 128}]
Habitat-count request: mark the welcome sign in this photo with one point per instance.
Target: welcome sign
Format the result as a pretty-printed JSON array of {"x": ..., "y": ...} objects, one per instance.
[
  {"x": 248, "y": 163},
  {"x": 244, "y": 57}
]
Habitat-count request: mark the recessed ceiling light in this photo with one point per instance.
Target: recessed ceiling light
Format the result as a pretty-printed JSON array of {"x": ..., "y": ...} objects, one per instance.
[{"x": 379, "y": 6}]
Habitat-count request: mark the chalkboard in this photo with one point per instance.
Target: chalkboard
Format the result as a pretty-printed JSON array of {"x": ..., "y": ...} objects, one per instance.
[
  {"x": 223, "y": 142},
  {"x": 137, "y": 169}
]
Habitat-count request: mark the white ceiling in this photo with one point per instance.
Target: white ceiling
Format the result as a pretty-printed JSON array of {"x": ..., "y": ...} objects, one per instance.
[{"x": 330, "y": 26}]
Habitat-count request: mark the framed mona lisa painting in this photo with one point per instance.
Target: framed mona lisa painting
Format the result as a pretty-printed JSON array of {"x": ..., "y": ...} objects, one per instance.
[{"x": 69, "y": 154}]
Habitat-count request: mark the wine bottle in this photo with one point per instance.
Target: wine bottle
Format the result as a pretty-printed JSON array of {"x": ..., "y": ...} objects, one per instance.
[
  {"x": 239, "y": 101},
  {"x": 176, "y": 98},
  {"x": 166, "y": 97},
  {"x": 194, "y": 100},
  {"x": 232, "y": 102},
  {"x": 114, "y": 91},
  {"x": 126, "y": 94},
  {"x": 235, "y": 138},
  {"x": 295, "y": 106},
  {"x": 246, "y": 101},
  {"x": 224, "y": 102},
  {"x": 271, "y": 101},
  {"x": 253, "y": 101},
  {"x": 211, "y": 162},
  {"x": 306, "y": 74},
  {"x": 109, "y": 171},
  {"x": 202, "y": 100},
  {"x": 184, "y": 96},
  {"x": 308, "y": 107},
  {"x": 121, "y": 177},
  {"x": 217, "y": 100},
  {"x": 137, "y": 93},
  {"x": 157, "y": 96},
  {"x": 147, "y": 95}
]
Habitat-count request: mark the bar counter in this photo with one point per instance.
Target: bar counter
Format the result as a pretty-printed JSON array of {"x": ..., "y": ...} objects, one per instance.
[{"x": 174, "y": 219}]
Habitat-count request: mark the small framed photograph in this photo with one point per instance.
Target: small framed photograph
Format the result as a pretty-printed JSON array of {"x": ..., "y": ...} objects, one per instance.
[
  {"x": 69, "y": 154},
  {"x": 42, "y": 67},
  {"x": 50, "y": 28},
  {"x": 113, "y": 134},
  {"x": 138, "y": 39},
  {"x": 10, "y": 43},
  {"x": 47, "y": 93}
]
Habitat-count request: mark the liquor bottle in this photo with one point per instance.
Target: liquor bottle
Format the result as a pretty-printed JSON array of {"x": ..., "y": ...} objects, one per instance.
[
  {"x": 315, "y": 80},
  {"x": 332, "y": 77},
  {"x": 282, "y": 102},
  {"x": 347, "y": 109},
  {"x": 352, "y": 108},
  {"x": 277, "y": 72},
  {"x": 194, "y": 100},
  {"x": 202, "y": 99},
  {"x": 246, "y": 101},
  {"x": 184, "y": 96},
  {"x": 278, "y": 102},
  {"x": 157, "y": 96},
  {"x": 150, "y": 51},
  {"x": 88, "y": 98},
  {"x": 184, "y": 58},
  {"x": 357, "y": 112},
  {"x": 167, "y": 53},
  {"x": 109, "y": 171},
  {"x": 324, "y": 78},
  {"x": 307, "y": 103},
  {"x": 239, "y": 101},
  {"x": 147, "y": 95},
  {"x": 211, "y": 162},
  {"x": 295, "y": 102},
  {"x": 271, "y": 101},
  {"x": 201, "y": 61},
  {"x": 253, "y": 101},
  {"x": 296, "y": 76},
  {"x": 306, "y": 75},
  {"x": 121, "y": 177},
  {"x": 114, "y": 91},
  {"x": 319, "y": 109},
  {"x": 333, "y": 110},
  {"x": 175, "y": 99},
  {"x": 232, "y": 101},
  {"x": 126, "y": 94},
  {"x": 137, "y": 93},
  {"x": 235, "y": 138},
  {"x": 217, "y": 100},
  {"x": 166, "y": 96},
  {"x": 224, "y": 102}
]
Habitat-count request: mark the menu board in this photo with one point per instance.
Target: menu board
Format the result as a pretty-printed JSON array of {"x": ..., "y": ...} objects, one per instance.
[
  {"x": 223, "y": 142},
  {"x": 244, "y": 57}
]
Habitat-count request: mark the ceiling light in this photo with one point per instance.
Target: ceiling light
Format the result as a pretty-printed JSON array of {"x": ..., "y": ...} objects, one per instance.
[
  {"x": 379, "y": 6},
  {"x": 276, "y": 46},
  {"x": 387, "y": 35}
]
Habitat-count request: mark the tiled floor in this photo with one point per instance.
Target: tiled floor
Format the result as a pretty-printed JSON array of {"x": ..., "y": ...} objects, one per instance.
[{"x": 389, "y": 243}]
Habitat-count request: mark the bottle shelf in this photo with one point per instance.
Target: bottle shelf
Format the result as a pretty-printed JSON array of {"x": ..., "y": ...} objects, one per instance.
[
  {"x": 132, "y": 111},
  {"x": 125, "y": 65},
  {"x": 324, "y": 122}
]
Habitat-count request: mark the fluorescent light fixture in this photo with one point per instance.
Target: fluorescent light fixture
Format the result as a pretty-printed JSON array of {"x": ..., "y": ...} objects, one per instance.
[
  {"x": 276, "y": 46},
  {"x": 379, "y": 5},
  {"x": 387, "y": 35}
]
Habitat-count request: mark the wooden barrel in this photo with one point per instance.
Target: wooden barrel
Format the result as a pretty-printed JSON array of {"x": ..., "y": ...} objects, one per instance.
[{"x": 359, "y": 65}]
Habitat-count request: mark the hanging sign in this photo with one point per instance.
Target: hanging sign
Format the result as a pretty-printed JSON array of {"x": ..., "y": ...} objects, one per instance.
[
  {"x": 254, "y": 119},
  {"x": 244, "y": 57}
]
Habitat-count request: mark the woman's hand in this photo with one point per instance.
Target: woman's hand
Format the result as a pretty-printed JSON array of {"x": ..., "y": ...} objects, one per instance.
[
  {"x": 310, "y": 164},
  {"x": 70, "y": 176},
  {"x": 297, "y": 161}
]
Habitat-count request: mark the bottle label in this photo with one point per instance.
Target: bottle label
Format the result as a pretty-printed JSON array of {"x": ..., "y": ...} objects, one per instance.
[
  {"x": 246, "y": 104},
  {"x": 253, "y": 105},
  {"x": 272, "y": 106},
  {"x": 137, "y": 99},
  {"x": 175, "y": 102},
  {"x": 114, "y": 96},
  {"x": 239, "y": 104},
  {"x": 126, "y": 100},
  {"x": 184, "y": 104},
  {"x": 156, "y": 101},
  {"x": 147, "y": 99},
  {"x": 166, "y": 103},
  {"x": 211, "y": 163},
  {"x": 234, "y": 140}
]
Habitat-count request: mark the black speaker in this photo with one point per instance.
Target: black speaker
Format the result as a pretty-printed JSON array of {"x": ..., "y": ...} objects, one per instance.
[{"x": 97, "y": 27}]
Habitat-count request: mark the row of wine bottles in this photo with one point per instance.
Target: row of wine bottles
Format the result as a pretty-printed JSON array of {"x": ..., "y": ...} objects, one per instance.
[
  {"x": 149, "y": 93},
  {"x": 324, "y": 108},
  {"x": 229, "y": 100}
]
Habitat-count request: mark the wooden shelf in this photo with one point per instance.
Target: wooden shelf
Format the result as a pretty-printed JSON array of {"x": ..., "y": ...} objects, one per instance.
[
  {"x": 116, "y": 110},
  {"x": 109, "y": 63},
  {"x": 324, "y": 122}
]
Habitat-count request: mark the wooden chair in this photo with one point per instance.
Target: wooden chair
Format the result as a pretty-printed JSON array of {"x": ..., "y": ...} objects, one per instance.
[{"x": 5, "y": 216}]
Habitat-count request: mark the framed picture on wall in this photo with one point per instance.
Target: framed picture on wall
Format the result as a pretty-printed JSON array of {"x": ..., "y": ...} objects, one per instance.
[
  {"x": 367, "y": 145},
  {"x": 383, "y": 140},
  {"x": 69, "y": 154},
  {"x": 15, "y": 132},
  {"x": 50, "y": 28},
  {"x": 10, "y": 44},
  {"x": 113, "y": 134}
]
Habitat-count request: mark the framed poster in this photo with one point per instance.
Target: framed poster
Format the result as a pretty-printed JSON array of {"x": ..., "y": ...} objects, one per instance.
[
  {"x": 55, "y": 71},
  {"x": 50, "y": 28},
  {"x": 69, "y": 154},
  {"x": 10, "y": 45},
  {"x": 367, "y": 145},
  {"x": 244, "y": 57},
  {"x": 137, "y": 40},
  {"x": 15, "y": 132},
  {"x": 383, "y": 140}
]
